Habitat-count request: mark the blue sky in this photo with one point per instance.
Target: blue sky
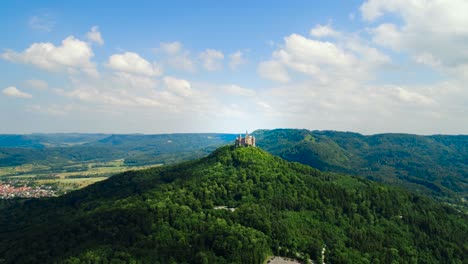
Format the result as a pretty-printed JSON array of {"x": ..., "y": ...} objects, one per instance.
[{"x": 208, "y": 66}]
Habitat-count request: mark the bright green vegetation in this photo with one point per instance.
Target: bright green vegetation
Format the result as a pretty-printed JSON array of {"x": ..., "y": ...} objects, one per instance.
[
  {"x": 432, "y": 165},
  {"x": 167, "y": 215}
]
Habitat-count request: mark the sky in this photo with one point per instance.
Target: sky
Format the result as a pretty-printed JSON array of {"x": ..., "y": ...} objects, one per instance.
[{"x": 151, "y": 67}]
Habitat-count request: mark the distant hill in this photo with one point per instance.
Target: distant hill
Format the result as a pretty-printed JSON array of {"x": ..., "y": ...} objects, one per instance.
[
  {"x": 434, "y": 165},
  {"x": 40, "y": 140},
  {"x": 19, "y": 141},
  {"x": 136, "y": 149},
  {"x": 237, "y": 205}
]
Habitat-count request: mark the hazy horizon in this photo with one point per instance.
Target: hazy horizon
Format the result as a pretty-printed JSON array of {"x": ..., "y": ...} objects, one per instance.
[
  {"x": 227, "y": 133},
  {"x": 369, "y": 67}
]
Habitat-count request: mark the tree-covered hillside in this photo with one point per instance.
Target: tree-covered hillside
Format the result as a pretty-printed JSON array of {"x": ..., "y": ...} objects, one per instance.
[
  {"x": 433, "y": 165},
  {"x": 237, "y": 205}
]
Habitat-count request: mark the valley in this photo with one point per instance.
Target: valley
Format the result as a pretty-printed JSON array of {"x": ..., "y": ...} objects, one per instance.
[
  {"x": 55, "y": 164},
  {"x": 435, "y": 166},
  {"x": 69, "y": 178}
]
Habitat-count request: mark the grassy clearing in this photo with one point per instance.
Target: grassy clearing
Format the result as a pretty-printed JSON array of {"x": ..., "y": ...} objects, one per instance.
[
  {"x": 14, "y": 170},
  {"x": 71, "y": 184}
]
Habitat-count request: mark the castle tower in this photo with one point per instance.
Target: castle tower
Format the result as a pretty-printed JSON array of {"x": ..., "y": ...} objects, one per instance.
[{"x": 247, "y": 141}]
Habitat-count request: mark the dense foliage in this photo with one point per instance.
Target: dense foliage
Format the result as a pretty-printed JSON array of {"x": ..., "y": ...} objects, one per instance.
[
  {"x": 180, "y": 214},
  {"x": 432, "y": 165}
]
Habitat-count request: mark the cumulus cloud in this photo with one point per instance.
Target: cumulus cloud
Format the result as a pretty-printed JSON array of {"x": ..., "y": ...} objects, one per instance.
[
  {"x": 432, "y": 32},
  {"x": 14, "y": 92},
  {"x": 178, "y": 86},
  {"x": 306, "y": 55},
  {"x": 134, "y": 80},
  {"x": 131, "y": 62},
  {"x": 273, "y": 70},
  {"x": 412, "y": 97},
  {"x": 95, "y": 36},
  {"x": 321, "y": 31},
  {"x": 387, "y": 35},
  {"x": 72, "y": 55},
  {"x": 212, "y": 59},
  {"x": 346, "y": 58},
  {"x": 334, "y": 84},
  {"x": 236, "y": 59},
  {"x": 176, "y": 56}
]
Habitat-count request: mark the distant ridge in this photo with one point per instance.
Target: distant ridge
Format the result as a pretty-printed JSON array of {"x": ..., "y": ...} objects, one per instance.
[{"x": 434, "y": 165}]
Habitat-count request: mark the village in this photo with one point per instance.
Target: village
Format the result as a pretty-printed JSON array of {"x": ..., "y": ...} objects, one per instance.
[{"x": 9, "y": 191}]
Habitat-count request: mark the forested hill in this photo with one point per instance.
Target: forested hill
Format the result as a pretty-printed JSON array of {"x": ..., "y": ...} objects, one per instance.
[
  {"x": 434, "y": 165},
  {"x": 237, "y": 205}
]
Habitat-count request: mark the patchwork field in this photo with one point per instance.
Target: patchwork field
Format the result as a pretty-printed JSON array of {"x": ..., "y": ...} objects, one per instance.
[{"x": 66, "y": 178}]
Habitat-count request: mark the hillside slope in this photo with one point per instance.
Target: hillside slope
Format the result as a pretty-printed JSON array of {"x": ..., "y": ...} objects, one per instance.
[
  {"x": 433, "y": 165},
  {"x": 233, "y": 206}
]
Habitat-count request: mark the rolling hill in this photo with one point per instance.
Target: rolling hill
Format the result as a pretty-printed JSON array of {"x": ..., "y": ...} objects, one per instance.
[
  {"x": 433, "y": 165},
  {"x": 59, "y": 149}
]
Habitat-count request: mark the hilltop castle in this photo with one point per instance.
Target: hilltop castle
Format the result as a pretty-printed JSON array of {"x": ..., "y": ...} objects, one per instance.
[{"x": 248, "y": 140}]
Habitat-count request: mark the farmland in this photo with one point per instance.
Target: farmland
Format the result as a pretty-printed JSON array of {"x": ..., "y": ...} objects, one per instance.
[{"x": 68, "y": 178}]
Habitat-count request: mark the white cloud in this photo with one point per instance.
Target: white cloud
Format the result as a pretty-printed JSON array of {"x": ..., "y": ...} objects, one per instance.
[
  {"x": 321, "y": 31},
  {"x": 14, "y": 92},
  {"x": 176, "y": 56},
  {"x": 131, "y": 62},
  {"x": 37, "y": 84},
  {"x": 238, "y": 91},
  {"x": 387, "y": 35},
  {"x": 178, "y": 86},
  {"x": 412, "y": 97},
  {"x": 305, "y": 55},
  {"x": 339, "y": 86},
  {"x": 134, "y": 81},
  {"x": 95, "y": 36},
  {"x": 212, "y": 59},
  {"x": 273, "y": 70},
  {"x": 433, "y": 32},
  {"x": 237, "y": 59},
  {"x": 71, "y": 56},
  {"x": 348, "y": 57}
]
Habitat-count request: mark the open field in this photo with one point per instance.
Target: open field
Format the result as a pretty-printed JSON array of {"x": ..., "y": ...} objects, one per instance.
[{"x": 67, "y": 178}]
